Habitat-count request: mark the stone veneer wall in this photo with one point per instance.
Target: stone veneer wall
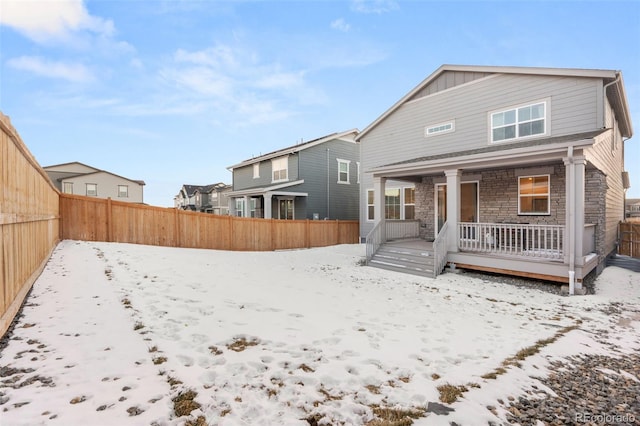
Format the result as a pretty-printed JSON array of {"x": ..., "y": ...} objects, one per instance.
[
  {"x": 498, "y": 198},
  {"x": 595, "y": 198}
]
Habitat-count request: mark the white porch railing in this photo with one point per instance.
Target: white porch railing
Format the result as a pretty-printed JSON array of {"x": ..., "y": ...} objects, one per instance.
[
  {"x": 440, "y": 250},
  {"x": 531, "y": 241}
]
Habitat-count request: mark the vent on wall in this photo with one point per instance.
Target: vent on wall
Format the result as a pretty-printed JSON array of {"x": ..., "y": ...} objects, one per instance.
[{"x": 626, "y": 183}]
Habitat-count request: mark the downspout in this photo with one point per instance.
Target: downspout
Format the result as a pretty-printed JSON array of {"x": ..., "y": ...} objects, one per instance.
[
  {"x": 327, "y": 216},
  {"x": 572, "y": 223},
  {"x": 606, "y": 86}
]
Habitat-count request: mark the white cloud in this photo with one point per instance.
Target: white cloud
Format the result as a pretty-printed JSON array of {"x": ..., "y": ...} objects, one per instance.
[
  {"x": 237, "y": 86},
  {"x": 45, "y": 21},
  {"x": 374, "y": 6},
  {"x": 340, "y": 25},
  {"x": 59, "y": 70}
]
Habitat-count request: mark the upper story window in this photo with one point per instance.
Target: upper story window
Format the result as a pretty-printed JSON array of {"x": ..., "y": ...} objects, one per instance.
[
  {"x": 520, "y": 122},
  {"x": 68, "y": 188},
  {"x": 439, "y": 129},
  {"x": 256, "y": 170},
  {"x": 123, "y": 191},
  {"x": 343, "y": 171},
  {"x": 370, "y": 204},
  {"x": 533, "y": 195},
  {"x": 280, "y": 167},
  {"x": 92, "y": 190}
]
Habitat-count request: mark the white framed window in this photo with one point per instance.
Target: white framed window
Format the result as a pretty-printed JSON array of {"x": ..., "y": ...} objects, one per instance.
[
  {"x": 533, "y": 195},
  {"x": 370, "y": 204},
  {"x": 280, "y": 168},
  {"x": 409, "y": 203},
  {"x": 92, "y": 189},
  {"x": 67, "y": 188},
  {"x": 240, "y": 207},
  {"x": 256, "y": 170},
  {"x": 123, "y": 191},
  {"x": 399, "y": 203},
  {"x": 343, "y": 171},
  {"x": 519, "y": 122},
  {"x": 392, "y": 203},
  {"x": 439, "y": 129}
]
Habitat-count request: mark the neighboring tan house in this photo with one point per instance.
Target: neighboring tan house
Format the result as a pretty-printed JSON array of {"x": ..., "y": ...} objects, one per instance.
[
  {"x": 80, "y": 179},
  {"x": 318, "y": 179},
  {"x": 632, "y": 208},
  {"x": 204, "y": 198},
  {"x": 521, "y": 167}
]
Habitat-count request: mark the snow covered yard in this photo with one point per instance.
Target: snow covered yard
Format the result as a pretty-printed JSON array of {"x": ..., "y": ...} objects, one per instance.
[{"x": 112, "y": 334}]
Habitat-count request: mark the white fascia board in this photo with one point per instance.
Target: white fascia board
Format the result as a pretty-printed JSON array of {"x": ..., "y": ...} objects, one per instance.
[
  {"x": 514, "y": 156},
  {"x": 260, "y": 191}
]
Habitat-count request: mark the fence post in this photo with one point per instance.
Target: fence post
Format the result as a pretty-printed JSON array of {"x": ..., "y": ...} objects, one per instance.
[
  {"x": 109, "y": 221},
  {"x": 337, "y": 232},
  {"x": 230, "y": 227},
  {"x": 307, "y": 234},
  {"x": 176, "y": 227}
]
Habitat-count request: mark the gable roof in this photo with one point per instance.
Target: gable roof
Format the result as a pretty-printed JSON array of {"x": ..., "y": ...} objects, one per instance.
[
  {"x": 616, "y": 93},
  {"x": 297, "y": 148},
  {"x": 94, "y": 171},
  {"x": 72, "y": 163}
]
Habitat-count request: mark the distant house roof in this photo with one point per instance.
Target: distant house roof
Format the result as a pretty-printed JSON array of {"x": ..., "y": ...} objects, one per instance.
[
  {"x": 632, "y": 201},
  {"x": 93, "y": 171},
  {"x": 616, "y": 93},
  {"x": 192, "y": 189},
  {"x": 296, "y": 148}
]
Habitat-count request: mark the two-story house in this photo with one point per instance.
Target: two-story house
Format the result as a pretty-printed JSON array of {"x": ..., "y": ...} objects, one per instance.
[
  {"x": 513, "y": 170},
  {"x": 632, "y": 208},
  {"x": 318, "y": 179},
  {"x": 211, "y": 198},
  {"x": 81, "y": 179}
]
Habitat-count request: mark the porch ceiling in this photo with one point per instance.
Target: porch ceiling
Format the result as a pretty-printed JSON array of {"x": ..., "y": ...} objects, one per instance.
[{"x": 538, "y": 152}]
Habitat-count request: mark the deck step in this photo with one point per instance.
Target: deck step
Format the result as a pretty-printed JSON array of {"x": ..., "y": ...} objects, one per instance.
[
  {"x": 410, "y": 260},
  {"x": 423, "y": 272}
]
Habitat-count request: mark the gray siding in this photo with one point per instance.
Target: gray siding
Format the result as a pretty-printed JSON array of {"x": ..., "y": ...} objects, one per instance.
[
  {"x": 447, "y": 80},
  {"x": 107, "y": 185},
  {"x": 608, "y": 157},
  {"x": 243, "y": 176},
  {"x": 343, "y": 198},
  {"x": 573, "y": 108},
  {"x": 310, "y": 165}
]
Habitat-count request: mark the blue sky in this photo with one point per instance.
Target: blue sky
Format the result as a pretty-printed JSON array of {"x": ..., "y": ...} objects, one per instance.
[{"x": 173, "y": 92}]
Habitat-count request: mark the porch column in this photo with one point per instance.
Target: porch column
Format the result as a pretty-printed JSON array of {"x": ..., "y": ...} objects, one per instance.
[
  {"x": 378, "y": 201},
  {"x": 231, "y": 203},
  {"x": 246, "y": 206},
  {"x": 453, "y": 207},
  {"x": 574, "y": 228},
  {"x": 267, "y": 205},
  {"x": 579, "y": 180}
]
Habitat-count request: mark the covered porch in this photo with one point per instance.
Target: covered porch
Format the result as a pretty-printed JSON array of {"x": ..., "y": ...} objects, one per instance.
[{"x": 521, "y": 214}]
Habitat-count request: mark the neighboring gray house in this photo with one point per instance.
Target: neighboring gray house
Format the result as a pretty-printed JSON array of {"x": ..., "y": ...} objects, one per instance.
[
  {"x": 80, "y": 179},
  {"x": 211, "y": 198},
  {"x": 521, "y": 167},
  {"x": 318, "y": 179},
  {"x": 632, "y": 208}
]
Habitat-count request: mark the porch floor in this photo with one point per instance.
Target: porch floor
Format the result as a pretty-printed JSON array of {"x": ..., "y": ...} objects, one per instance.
[{"x": 412, "y": 243}]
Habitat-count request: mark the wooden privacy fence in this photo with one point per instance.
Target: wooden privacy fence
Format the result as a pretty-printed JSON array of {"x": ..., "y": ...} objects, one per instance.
[
  {"x": 94, "y": 219},
  {"x": 28, "y": 221},
  {"x": 629, "y": 239}
]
